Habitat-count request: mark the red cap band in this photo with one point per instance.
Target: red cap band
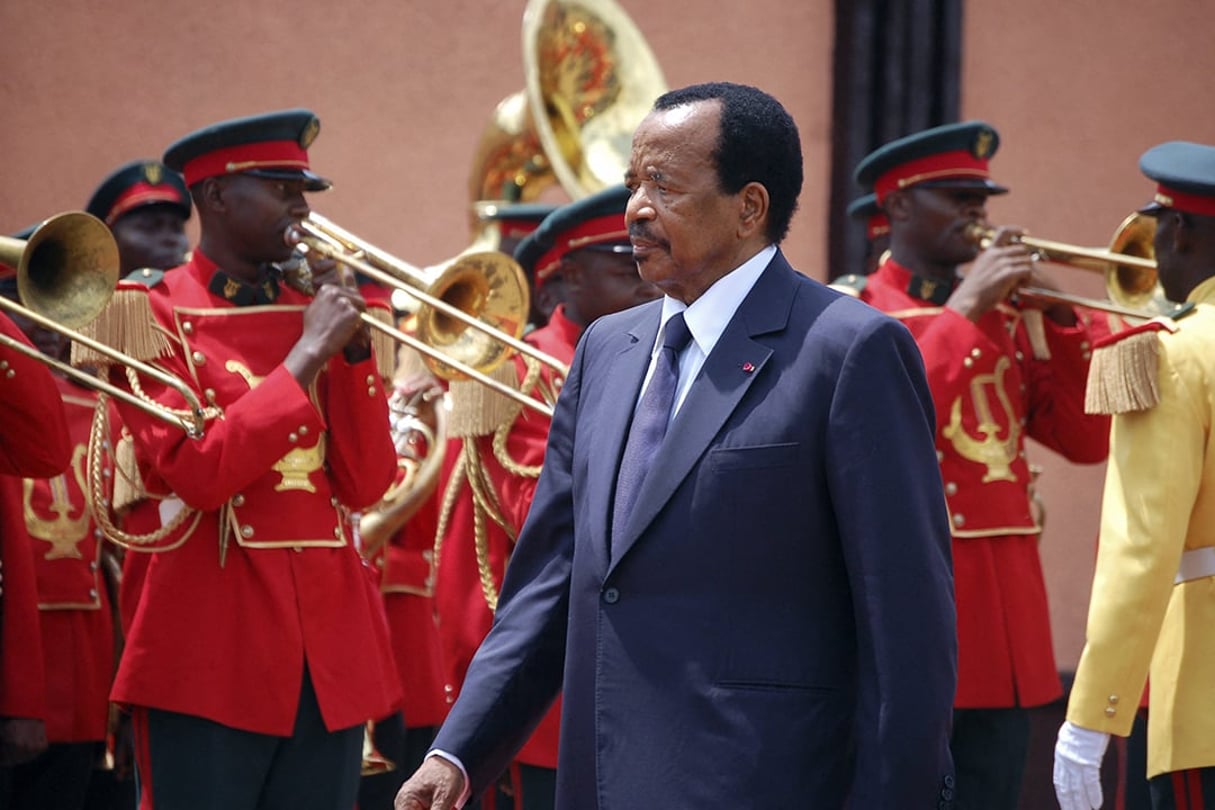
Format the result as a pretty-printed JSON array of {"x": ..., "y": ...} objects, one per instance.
[
  {"x": 878, "y": 225},
  {"x": 960, "y": 164},
  {"x": 597, "y": 231},
  {"x": 142, "y": 194},
  {"x": 1182, "y": 201},
  {"x": 261, "y": 155}
]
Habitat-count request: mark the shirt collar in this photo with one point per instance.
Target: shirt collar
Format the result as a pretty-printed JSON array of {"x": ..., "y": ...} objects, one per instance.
[{"x": 709, "y": 314}]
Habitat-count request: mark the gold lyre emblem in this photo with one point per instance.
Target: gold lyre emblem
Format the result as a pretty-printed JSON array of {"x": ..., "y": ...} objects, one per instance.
[
  {"x": 996, "y": 453},
  {"x": 299, "y": 463},
  {"x": 63, "y": 531},
  {"x": 231, "y": 288},
  {"x": 928, "y": 289}
]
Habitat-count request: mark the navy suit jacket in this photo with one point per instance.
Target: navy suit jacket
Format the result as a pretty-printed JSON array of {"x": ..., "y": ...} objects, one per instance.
[{"x": 776, "y": 626}]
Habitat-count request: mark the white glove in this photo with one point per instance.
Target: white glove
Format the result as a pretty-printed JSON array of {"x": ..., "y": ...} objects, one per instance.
[{"x": 1078, "y": 754}]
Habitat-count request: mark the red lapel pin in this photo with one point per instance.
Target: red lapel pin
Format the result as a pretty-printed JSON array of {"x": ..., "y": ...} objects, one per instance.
[{"x": 748, "y": 367}]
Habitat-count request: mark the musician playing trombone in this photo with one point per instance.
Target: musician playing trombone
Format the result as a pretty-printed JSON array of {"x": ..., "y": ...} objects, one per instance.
[
  {"x": 999, "y": 373},
  {"x": 258, "y": 648}
]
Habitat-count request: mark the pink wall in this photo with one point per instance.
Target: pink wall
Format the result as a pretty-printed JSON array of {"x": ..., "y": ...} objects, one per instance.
[
  {"x": 1078, "y": 90},
  {"x": 403, "y": 90}
]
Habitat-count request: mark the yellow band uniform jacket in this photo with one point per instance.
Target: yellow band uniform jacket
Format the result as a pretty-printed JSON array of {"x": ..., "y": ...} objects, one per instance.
[
  {"x": 1159, "y": 502},
  {"x": 51, "y": 520},
  {"x": 991, "y": 393},
  {"x": 262, "y": 578}
]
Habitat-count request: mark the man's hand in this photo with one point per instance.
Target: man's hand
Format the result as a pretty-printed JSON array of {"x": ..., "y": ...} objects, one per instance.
[
  {"x": 331, "y": 321},
  {"x": 995, "y": 275},
  {"x": 21, "y": 739},
  {"x": 436, "y": 785},
  {"x": 1078, "y": 754}
]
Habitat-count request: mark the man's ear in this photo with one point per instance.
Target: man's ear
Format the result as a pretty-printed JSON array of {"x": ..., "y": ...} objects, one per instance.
[
  {"x": 211, "y": 194},
  {"x": 753, "y": 209},
  {"x": 897, "y": 205}
]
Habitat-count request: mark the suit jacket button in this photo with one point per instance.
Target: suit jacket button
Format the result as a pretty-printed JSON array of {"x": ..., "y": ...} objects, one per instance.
[
  {"x": 611, "y": 596},
  {"x": 949, "y": 781}
]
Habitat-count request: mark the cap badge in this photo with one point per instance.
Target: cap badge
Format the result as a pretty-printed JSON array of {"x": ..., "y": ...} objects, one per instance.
[
  {"x": 152, "y": 172},
  {"x": 983, "y": 144},
  {"x": 1164, "y": 199},
  {"x": 309, "y": 133}
]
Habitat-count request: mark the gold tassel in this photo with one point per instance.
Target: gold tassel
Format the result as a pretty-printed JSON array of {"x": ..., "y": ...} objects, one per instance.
[
  {"x": 128, "y": 485},
  {"x": 126, "y": 324},
  {"x": 477, "y": 410},
  {"x": 1124, "y": 373},
  {"x": 384, "y": 347}
]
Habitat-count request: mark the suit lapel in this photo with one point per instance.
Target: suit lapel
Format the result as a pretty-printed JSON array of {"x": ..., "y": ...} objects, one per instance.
[{"x": 728, "y": 372}]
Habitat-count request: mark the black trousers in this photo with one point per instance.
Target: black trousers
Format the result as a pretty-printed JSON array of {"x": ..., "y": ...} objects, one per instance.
[
  {"x": 989, "y": 748},
  {"x": 1193, "y": 789},
  {"x": 406, "y": 747},
  {"x": 189, "y": 763},
  {"x": 58, "y": 779}
]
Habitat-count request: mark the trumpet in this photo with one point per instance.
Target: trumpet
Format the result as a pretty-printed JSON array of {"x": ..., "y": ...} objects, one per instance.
[
  {"x": 468, "y": 284},
  {"x": 66, "y": 274},
  {"x": 1129, "y": 266}
]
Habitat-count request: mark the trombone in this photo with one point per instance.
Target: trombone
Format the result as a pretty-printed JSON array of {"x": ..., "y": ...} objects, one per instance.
[
  {"x": 66, "y": 274},
  {"x": 471, "y": 281},
  {"x": 1129, "y": 266}
]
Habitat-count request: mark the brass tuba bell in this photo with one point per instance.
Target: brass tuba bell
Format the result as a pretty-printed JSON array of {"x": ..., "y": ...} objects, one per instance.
[{"x": 591, "y": 78}]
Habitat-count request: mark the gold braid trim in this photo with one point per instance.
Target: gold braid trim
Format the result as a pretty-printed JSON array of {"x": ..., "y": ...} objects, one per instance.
[
  {"x": 128, "y": 484},
  {"x": 126, "y": 324},
  {"x": 101, "y": 504},
  {"x": 450, "y": 493},
  {"x": 501, "y": 452}
]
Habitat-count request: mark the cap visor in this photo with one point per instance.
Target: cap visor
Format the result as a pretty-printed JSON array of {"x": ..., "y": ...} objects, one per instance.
[
  {"x": 1151, "y": 209},
  {"x": 312, "y": 182},
  {"x": 965, "y": 183}
]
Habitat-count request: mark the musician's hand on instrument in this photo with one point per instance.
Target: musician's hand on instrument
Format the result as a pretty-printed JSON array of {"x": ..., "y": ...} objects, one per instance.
[
  {"x": 331, "y": 322},
  {"x": 995, "y": 274}
]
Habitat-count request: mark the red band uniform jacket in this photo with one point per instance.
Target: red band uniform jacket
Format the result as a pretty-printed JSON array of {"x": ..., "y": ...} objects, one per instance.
[
  {"x": 262, "y": 579},
  {"x": 55, "y": 524},
  {"x": 464, "y": 613},
  {"x": 991, "y": 394}
]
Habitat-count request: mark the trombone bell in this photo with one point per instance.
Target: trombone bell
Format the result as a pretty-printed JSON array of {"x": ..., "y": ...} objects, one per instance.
[{"x": 67, "y": 269}]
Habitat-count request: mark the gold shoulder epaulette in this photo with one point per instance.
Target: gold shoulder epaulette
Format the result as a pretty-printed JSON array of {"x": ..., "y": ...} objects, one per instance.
[
  {"x": 385, "y": 347},
  {"x": 477, "y": 410},
  {"x": 1123, "y": 376},
  {"x": 126, "y": 324}
]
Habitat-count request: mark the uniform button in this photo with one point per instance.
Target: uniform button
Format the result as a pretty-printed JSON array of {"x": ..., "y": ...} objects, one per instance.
[
  {"x": 3, "y": 364},
  {"x": 940, "y": 456},
  {"x": 303, "y": 431},
  {"x": 370, "y": 379},
  {"x": 959, "y": 520},
  {"x": 291, "y": 437},
  {"x": 187, "y": 327},
  {"x": 951, "y": 488},
  {"x": 337, "y": 531},
  {"x": 92, "y": 593},
  {"x": 333, "y": 501},
  {"x": 246, "y": 531},
  {"x": 199, "y": 359},
  {"x": 209, "y": 394},
  {"x": 1084, "y": 344},
  {"x": 611, "y": 596},
  {"x": 371, "y": 391},
  {"x": 1020, "y": 355},
  {"x": 10, "y": 374},
  {"x": 238, "y": 499},
  {"x": 968, "y": 362},
  {"x": 93, "y": 565},
  {"x": 1087, "y": 355},
  {"x": 98, "y": 533},
  {"x": 1110, "y": 711},
  {"x": 1113, "y": 700},
  {"x": 298, "y": 549},
  {"x": 976, "y": 353}
]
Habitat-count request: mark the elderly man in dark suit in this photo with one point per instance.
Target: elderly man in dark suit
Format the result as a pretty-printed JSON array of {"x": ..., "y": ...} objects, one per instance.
[{"x": 755, "y": 610}]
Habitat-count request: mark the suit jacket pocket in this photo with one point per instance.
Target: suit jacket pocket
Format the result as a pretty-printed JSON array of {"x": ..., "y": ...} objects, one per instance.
[{"x": 760, "y": 456}]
